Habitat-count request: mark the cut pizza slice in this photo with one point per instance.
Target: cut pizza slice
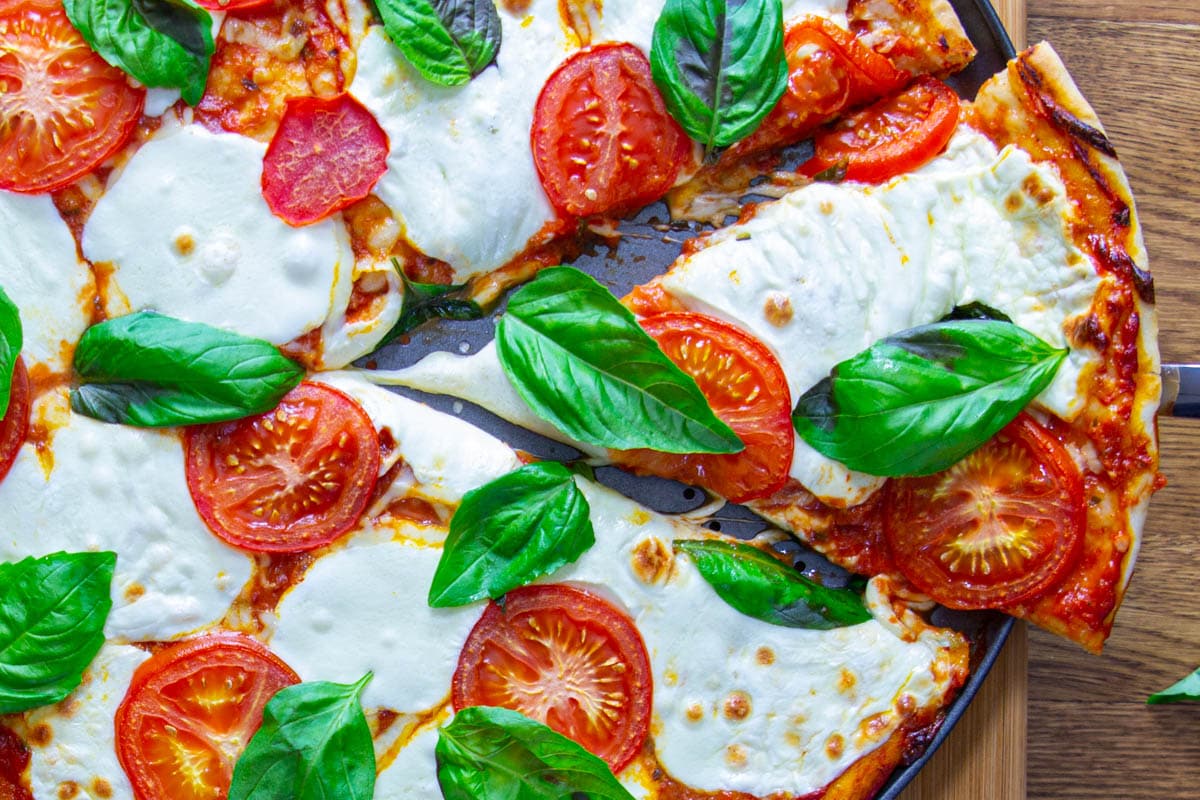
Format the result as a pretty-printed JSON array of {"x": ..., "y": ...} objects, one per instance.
[{"x": 1025, "y": 217}]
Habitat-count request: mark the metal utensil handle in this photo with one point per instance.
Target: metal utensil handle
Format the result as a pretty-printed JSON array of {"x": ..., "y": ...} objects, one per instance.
[{"x": 1181, "y": 390}]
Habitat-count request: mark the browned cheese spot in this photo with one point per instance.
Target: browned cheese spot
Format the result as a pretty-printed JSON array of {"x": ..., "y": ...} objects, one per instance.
[
  {"x": 846, "y": 680},
  {"x": 778, "y": 309},
  {"x": 653, "y": 561},
  {"x": 134, "y": 591},
  {"x": 735, "y": 755},
  {"x": 101, "y": 788},
  {"x": 695, "y": 712},
  {"x": 835, "y": 746},
  {"x": 41, "y": 735},
  {"x": 1013, "y": 203},
  {"x": 737, "y": 705},
  {"x": 185, "y": 244},
  {"x": 68, "y": 790},
  {"x": 906, "y": 705},
  {"x": 1039, "y": 191},
  {"x": 765, "y": 656}
]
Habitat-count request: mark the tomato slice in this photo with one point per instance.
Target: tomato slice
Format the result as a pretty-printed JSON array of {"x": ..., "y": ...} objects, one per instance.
[
  {"x": 602, "y": 138},
  {"x": 326, "y": 154},
  {"x": 829, "y": 70},
  {"x": 565, "y": 657},
  {"x": 891, "y": 137},
  {"x": 232, "y": 5},
  {"x": 746, "y": 388},
  {"x": 999, "y": 527},
  {"x": 190, "y": 711},
  {"x": 63, "y": 109},
  {"x": 14, "y": 426},
  {"x": 292, "y": 479}
]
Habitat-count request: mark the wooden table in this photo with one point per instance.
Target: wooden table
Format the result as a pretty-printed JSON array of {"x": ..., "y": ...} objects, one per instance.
[{"x": 1073, "y": 725}]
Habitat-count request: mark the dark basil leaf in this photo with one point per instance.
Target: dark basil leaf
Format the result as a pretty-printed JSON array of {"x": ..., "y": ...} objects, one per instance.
[
  {"x": 976, "y": 310},
  {"x": 1187, "y": 689},
  {"x": 763, "y": 587},
  {"x": 720, "y": 65},
  {"x": 919, "y": 401},
  {"x": 314, "y": 744},
  {"x": 151, "y": 370},
  {"x": 52, "y": 615},
  {"x": 488, "y": 753},
  {"x": 448, "y": 41},
  {"x": 165, "y": 43},
  {"x": 426, "y": 301},
  {"x": 833, "y": 174},
  {"x": 506, "y": 533},
  {"x": 11, "y": 342},
  {"x": 580, "y": 360}
]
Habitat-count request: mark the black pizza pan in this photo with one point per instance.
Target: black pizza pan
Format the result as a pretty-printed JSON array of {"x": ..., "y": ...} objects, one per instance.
[{"x": 646, "y": 246}]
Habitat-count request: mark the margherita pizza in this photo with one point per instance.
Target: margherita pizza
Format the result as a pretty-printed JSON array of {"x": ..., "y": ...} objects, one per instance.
[{"x": 230, "y": 567}]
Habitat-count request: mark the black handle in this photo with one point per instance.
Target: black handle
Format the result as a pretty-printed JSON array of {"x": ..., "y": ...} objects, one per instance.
[{"x": 1181, "y": 390}]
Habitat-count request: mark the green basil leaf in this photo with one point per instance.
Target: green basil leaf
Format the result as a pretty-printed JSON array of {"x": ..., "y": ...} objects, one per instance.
[
  {"x": 426, "y": 301},
  {"x": 720, "y": 65},
  {"x": 763, "y": 587},
  {"x": 918, "y": 402},
  {"x": 159, "y": 42},
  {"x": 580, "y": 361},
  {"x": 448, "y": 41},
  {"x": 150, "y": 370},
  {"x": 520, "y": 526},
  {"x": 1187, "y": 689},
  {"x": 314, "y": 744},
  {"x": 52, "y": 615},
  {"x": 11, "y": 342},
  {"x": 976, "y": 310},
  {"x": 488, "y": 753}
]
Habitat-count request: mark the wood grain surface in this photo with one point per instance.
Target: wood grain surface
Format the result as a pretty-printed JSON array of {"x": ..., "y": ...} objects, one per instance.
[{"x": 1089, "y": 732}]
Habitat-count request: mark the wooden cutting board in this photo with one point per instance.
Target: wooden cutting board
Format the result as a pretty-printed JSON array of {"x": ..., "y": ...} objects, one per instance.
[{"x": 984, "y": 757}]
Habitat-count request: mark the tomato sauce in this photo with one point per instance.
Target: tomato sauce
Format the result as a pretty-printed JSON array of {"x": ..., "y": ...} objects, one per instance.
[{"x": 14, "y": 760}]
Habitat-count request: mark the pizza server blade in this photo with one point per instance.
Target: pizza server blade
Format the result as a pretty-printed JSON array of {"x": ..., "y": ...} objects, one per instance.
[{"x": 1181, "y": 390}]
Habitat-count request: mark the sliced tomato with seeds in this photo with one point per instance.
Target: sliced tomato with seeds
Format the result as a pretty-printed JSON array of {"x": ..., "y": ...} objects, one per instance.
[
  {"x": 326, "y": 154},
  {"x": 14, "y": 426},
  {"x": 747, "y": 390},
  {"x": 891, "y": 137},
  {"x": 63, "y": 108},
  {"x": 290, "y": 480},
  {"x": 190, "y": 711},
  {"x": 602, "y": 138},
  {"x": 1001, "y": 526},
  {"x": 829, "y": 71},
  {"x": 565, "y": 657}
]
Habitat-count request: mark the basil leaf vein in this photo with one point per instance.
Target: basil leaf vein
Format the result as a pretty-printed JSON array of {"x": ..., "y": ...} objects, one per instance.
[
  {"x": 165, "y": 43},
  {"x": 504, "y": 534},
  {"x": 52, "y": 615},
  {"x": 763, "y": 587},
  {"x": 1187, "y": 689},
  {"x": 579, "y": 360},
  {"x": 486, "y": 753},
  {"x": 447, "y": 41},
  {"x": 314, "y": 744},
  {"x": 918, "y": 402},
  {"x": 11, "y": 342},
  {"x": 151, "y": 370},
  {"x": 720, "y": 65},
  {"x": 425, "y": 301}
]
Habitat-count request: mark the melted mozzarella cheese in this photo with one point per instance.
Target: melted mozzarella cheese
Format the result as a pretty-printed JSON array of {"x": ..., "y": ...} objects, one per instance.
[
  {"x": 187, "y": 230},
  {"x": 41, "y": 272},
  {"x": 123, "y": 489},
  {"x": 460, "y": 176},
  {"x": 72, "y": 749}
]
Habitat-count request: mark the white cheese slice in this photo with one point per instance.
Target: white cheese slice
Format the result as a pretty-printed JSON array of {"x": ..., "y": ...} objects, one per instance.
[
  {"x": 72, "y": 748},
  {"x": 187, "y": 230},
  {"x": 123, "y": 489},
  {"x": 41, "y": 272}
]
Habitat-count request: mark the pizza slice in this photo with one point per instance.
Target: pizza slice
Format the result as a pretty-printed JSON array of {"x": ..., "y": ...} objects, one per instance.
[{"x": 1024, "y": 217}]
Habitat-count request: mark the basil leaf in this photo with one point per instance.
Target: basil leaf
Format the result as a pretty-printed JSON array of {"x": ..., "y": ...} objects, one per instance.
[
  {"x": 11, "y": 342},
  {"x": 448, "y": 41},
  {"x": 488, "y": 753},
  {"x": 976, "y": 310},
  {"x": 521, "y": 526},
  {"x": 314, "y": 744},
  {"x": 763, "y": 587},
  {"x": 52, "y": 615},
  {"x": 1186, "y": 689},
  {"x": 917, "y": 402},
  {"x": 580, "y": 360},
  {"x": 426, "y": 301},
  {"x": 720, "y": 65},
  {"x": 151, "y": 370},
  {"x": 159, "y": 42}
]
